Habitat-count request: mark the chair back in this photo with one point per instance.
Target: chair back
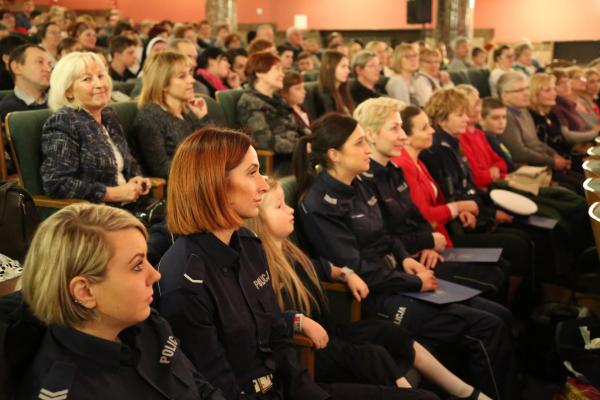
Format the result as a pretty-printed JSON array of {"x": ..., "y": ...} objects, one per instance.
[
  {"x": 591, "y": 187},
  {"x": 4, "y": 93},
  {"x": 594, "y": 152},
  {"x": 310, "y": 102},
  {"x": 124, "y": 87},
  {"x": 215, "y": 111},
  {"x": 228, "y": 100},
  {"x": 126, "y": 112},
  {"x": 24, "y": 132},
  {"x": 591, "y": 168},
  {"x": 594, "y": 213}
]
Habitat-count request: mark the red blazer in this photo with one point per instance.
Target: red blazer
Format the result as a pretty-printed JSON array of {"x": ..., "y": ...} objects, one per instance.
[
  {"x": 433, "y": 207},
  {"x": 480, "y": 157}
]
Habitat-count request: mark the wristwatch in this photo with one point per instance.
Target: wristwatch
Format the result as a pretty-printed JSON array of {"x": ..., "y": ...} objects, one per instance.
[{"x": 346, "y": 272}]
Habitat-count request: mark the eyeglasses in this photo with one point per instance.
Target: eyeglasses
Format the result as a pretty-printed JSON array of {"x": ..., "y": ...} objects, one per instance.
[{"x": 520, "y": 90}]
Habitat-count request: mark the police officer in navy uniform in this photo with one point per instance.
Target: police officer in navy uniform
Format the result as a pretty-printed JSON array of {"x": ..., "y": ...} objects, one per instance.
[
  {"x": 87, "y": 280},
  {"x": 380, "y": 118},
  {"x": 216, "y": 286},
  {"x": 340, "y": 218},
  {"x": 147, "y": 364}
]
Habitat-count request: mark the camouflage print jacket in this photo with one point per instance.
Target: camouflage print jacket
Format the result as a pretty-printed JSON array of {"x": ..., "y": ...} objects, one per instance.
[{"x": 270, "y": 122}]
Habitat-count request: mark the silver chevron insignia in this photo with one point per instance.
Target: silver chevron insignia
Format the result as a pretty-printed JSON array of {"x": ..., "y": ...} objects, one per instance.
[
  {"x": 189, "y": 278},
  {"x": 45, "y": 394}
]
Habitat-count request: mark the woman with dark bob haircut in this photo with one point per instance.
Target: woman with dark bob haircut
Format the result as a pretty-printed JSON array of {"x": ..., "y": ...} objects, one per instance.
[{"x": 216, "y": 290}]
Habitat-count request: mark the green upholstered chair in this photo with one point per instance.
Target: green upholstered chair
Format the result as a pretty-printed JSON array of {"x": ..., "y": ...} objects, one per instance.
[
  {"x": 215, "y": 111},
  {"x": 228, "y": 100},
  {"x": 24, "y": 132},
  {"x": 480, "y": 78},
  {"x": 126, "y": 112},
  {"x": 4, "y": 93},
  {"x": 124, "y": 87},
  {"x": 310, "y": 76},
  {"x": 459, "y": 77},
  {"x": 309, "y": 104}
]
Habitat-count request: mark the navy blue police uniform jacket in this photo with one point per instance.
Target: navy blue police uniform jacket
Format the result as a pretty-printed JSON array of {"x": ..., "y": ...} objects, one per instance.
[
  {"x": 401, "y": 215},
  {"x": 220, "y": 302},
  {"x": 452, "y": 173},
  {"x": 147, "y": 364},
  {"x": 343, "y": 223}
]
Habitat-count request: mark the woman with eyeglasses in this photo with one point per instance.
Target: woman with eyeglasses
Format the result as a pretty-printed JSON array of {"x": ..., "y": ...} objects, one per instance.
[{"x": 503, "y": 58}]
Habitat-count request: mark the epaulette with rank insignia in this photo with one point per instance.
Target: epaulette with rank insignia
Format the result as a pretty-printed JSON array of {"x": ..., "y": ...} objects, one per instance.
[{"x": 57, "y": 383}]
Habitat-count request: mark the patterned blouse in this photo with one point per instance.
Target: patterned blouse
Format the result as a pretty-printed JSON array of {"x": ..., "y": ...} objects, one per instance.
[{"x": 78, "y": 160}]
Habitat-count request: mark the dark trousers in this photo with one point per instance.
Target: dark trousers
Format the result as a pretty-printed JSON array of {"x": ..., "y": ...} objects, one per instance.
[
  {"x": 570, "y": 179},
  {"x": 516, "y": 244},
  {"x": 350, "y": 391},
  {"x": 491, "y": 279},
  {"x": 478, "y": 329}
]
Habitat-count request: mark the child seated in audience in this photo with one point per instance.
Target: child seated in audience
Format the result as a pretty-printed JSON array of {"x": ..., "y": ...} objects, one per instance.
[
  {"x": 345, "y": 350},
  {"x": 294, "y": 94},
  {"x": 493, "y": 123}
]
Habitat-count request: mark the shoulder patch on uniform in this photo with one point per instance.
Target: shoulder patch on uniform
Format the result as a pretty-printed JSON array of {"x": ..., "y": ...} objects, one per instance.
[
  {"x": 445, "y": 144},
  {"x": 402, "y": 187},
  {"x": 394, "y": 164},
  {"x": 329, "y": 199},
  {"x": 367, "y": 174},
  {"x": 57, "y": 383},
  {"x": 48, "y": 395},
  {"x": 372, "y": 201},
  {"x": 247, "y": 233},
  {"x": 189, "y": 278}
]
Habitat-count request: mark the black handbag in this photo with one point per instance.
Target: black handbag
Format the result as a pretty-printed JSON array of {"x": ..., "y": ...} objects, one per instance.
[{"x": 18, "y": 220}]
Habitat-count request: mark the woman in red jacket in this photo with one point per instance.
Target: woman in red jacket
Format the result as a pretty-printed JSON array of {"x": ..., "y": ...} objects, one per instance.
[
  {"x": 423, "y": 189},
  {"x": 485, "y": 164}
]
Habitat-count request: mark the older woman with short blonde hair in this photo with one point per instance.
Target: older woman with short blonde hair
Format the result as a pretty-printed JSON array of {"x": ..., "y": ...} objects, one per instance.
[
  {"x": 88, "y": 281},
  {"x": 84, "y": 151}
]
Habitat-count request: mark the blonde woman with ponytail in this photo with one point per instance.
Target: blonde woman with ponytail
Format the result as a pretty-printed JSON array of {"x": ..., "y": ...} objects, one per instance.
[{"x": 373, "y": 352}]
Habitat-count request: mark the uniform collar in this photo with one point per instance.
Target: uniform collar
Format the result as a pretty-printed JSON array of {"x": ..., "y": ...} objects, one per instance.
[
  {"x": 447, "y": 139},
  {"x": 103, "y": 352},
  {"x": 216, "y": 251},
  {"x": 335, "y": 187}
]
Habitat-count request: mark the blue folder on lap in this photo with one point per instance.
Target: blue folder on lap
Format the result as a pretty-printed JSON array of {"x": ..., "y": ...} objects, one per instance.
[
  {"x": 472, "y": 254},
  {"x": 447, "y": 292}
]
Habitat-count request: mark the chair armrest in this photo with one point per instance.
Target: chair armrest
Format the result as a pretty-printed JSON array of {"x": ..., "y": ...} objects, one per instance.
[
  {"x": 158, "y": 187},
  {"x": 306, "y": 353},
  {"x": 335, "y": 287},
  {"x": 302, "y": 341},
  {"x": 49, "y": 202},
  {"x": 269, "y": 157}
]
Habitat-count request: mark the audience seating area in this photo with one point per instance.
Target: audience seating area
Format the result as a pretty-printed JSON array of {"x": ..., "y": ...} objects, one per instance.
[{"x": 23, "y": 133}]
